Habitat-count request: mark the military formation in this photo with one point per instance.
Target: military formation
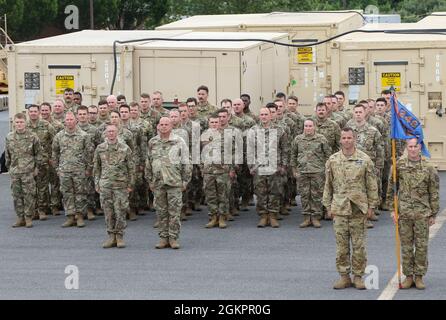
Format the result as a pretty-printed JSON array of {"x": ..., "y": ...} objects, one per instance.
[{"x": 122, "y": 160}]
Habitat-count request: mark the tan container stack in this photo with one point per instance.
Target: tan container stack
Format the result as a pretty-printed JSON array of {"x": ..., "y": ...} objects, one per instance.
[
  {"x": 414, "y": 64},
  {"x": 309, "y": 67}
]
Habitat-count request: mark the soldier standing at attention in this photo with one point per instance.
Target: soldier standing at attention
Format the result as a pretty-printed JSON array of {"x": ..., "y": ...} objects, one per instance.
[
  {"x": 327, "y": 127},
  {"x": 114, "y": 175},
  {"x": 168, "y": 172},
  {"x": 59, "y": 110},
  {"x": 309, "y": 152},
  {"x": 204, "y": 107},
  {"x": 157, "y": 104},
  {"x": 112, "y": 103},
  {"x": 45, "y": 132},
  {"x": 93, "y": 116},
  {"x": 103, "y": 113},
  {"x": 268, "y": 169},
  {"x": 72, "y": 159},
  {"x": 418, "y": 194},
  {"x": 350, "y": 195},
  {"x": 216, "y": 174},
  {"x": 68, "y": 97},
  {"x": 22, "y": 155}
]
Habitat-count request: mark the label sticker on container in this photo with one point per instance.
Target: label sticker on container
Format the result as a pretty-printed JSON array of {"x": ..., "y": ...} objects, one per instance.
[
  {"x": 305, "y": 55},
  {"x": 391, "y": 79},
  {"x": 63, "y": 82}
]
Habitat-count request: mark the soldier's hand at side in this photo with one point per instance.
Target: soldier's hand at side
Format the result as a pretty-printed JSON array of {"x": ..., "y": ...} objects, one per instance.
[
  {"x": 392, "y": 214},
  {"x": 36, "y": 172},
  {"x": 88, "y": 173},
  {"x": 370, "y": 212},
  {"x": 184, "y": 187},
  {"x": 151, "y": 187},
  {"x": 330, "y": 214},
  {"x": 130, "y": 190},
  {"x": 98, "y": 190},
  {"x": 431, "y": 221},
  {"x": 253, "y": 172},
  {"x": 141, "y": 169}
]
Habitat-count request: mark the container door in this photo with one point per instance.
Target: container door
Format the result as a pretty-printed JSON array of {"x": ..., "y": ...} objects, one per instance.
[
  {"x": 268, "y": 88},
  {"x": 68, "y": 71},
  {"x": 178, "y": 77}
]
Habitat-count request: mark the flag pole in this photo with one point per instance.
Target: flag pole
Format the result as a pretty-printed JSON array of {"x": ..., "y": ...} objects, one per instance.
[{"x": 395, "y": 201}]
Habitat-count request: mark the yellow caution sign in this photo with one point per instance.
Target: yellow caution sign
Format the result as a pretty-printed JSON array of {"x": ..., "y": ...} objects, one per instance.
[
  {"x": 391, "y": 79},
  {"x": 305, "y": 55},
  {"x": 63, "y": 82}
]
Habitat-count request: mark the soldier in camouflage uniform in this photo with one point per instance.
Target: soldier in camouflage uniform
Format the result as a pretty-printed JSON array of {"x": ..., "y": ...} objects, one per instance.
[
  {"x": 168, "y": 172},
  {"x": 347, "y": 113},
  {"x": 45, "y": 132},
  {"x": 157, "y": 104},
  {"x": 418, "y": 205},
  {"x": 147, "y": 133},
  {"x": 309, "y": 153},
  {"x": 103, "y": 113},
  {"x": 244, "y": 177},
  {"x": 246, "y": 98},
  {"x": 112, "y": 103},
  {"x": 55, "y": 195},
  {"x": 58, "y": 113},
  {"x": 217, "y": 173},
  {"x": 139, "y": 151},
  {"x": 23, "y": 156},
  {"x": 114, "y": 176},
  {"x": 350, "y": 193},
  {"x": 84, "y": 125},
  {"x": 93, "y": 116},
  {"x": 292, "y": 112},
  {"x": 70, "y": 104},
  {"x": 204, "y": 107},
  {"x": 72, "y": 158},
  {"x": 268, "y": 169},
  {"x": 368, "y": 140},
  {"x": 327, "y": 127},
  {"x": 147, "y": 113},
  {"x": 332, "y": 106}
]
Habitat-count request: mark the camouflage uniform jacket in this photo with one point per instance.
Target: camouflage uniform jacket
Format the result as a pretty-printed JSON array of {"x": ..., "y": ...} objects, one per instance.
[
  {"x": 370, "y": 141},
  {"x": 275, "y": 143},
  {"x": 330, "y": 130},
  {"x": 113, "y": 166},
  {"x": 57, "y": 125},
  {"x": 339, "y": 118},
  {"x": 168, "y": 162},
  {"x": 45, "y": 132},
  {"x": 205, "y": 109},
  {"x": 350, "y": 179},
  {"x": 213, "y": 155},
  {"x": 418, "y": 189},
  {"x": 72, "y": 152},
  {"x": 22, "y": 152},
  {"x": 298, "y": 119},
  {"x": 309, "y": 153}
]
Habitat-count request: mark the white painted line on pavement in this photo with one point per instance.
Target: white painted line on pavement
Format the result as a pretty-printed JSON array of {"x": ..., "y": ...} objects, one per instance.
[{"x": 392, "y": 287}]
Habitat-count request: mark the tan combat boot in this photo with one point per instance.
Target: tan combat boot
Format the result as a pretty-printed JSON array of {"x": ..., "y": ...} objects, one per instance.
[
  {"x": 189, "y": 209},
  {"x": 316, "y": 223},
  {"x": 55, "y": 212},
  {"x": 358, "y": 283},
  {"x": 369, "y": 224},
  {"x": 263, "y": 221},
  {"x": 99, "y": 212},
  {"x": 69, "y": 223},
  {"x": 120, "y": 241},
  {"x": 80, "y": 220},
  {"x": 132, "y": 215},
  {"x": 183, "y": 214},
  {"x": 284, "y": 211},
  {"x": 213, "y": 222},
  {"x": 222, "y": 221},
  {"x": 174, "y": 244},
  {"x": 42, "y": 216},
  {"x": 90, "y": 215},
  {"x": 307, "y": 222},
  {"x": 234, "y": 212},
  {"x": 408, "y": 283},
  {"x": 110, "y": 242},
  {"x": 244, "y": 205},
  {"x": 157, "y": 222},
  {"x": 28, "y": 222},
  {"x": 20, "y": 222},
  {"x": 374, "y": 217},
  {"x": 344, "y": 282},
  {"x": 35, "y": 216},
  {"x": 419, "y": 283},
  {"x": 162, "y": 244},
  {"x": 273, "y": 220},
  {"x": 229, "y": 217}
]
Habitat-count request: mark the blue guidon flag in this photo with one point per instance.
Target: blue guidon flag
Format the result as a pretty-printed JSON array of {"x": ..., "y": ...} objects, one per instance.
[{"x": 404, "y": 125}]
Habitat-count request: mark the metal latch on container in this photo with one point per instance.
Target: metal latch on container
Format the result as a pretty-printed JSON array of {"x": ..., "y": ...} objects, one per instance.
[{"x": 91, "y": 65}]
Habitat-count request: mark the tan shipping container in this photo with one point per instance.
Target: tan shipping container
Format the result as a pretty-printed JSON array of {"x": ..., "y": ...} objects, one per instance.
[
  {"x": 228, "y": 68},
  {"x": 309, "y": 67},
  {"x": 414, "y": 64}
]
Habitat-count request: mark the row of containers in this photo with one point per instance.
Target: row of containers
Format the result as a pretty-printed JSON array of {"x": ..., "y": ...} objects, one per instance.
[{"x": 259, "y": 54}]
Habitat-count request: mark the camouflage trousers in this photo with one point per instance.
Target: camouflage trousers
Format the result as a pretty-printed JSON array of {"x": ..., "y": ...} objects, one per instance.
[
  {"x": 168, "y": 203},
  {"x": 91, "y": 193},
  {"x": 141, "y": 189},
  {"x": 195, "y": 186},
  {"x": 351, "y": 229},
  {"x": 385, "y": 179},
  {"x": 73, "y": 187},
  {"x": 268, "y": 189},
  {"x": 311, "y": 186},
  {"x": 245, "y": 182},
  {"x": 414, "y": 234},
  {"x": 43, "y": 189},
  {"x": 56, "y": 196},
  {"x": 378, "y": 173},
  {"x": 23, "y": 187},
  {"x": 115, "y": 203},
  {"x": 217, "y": 188}
]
